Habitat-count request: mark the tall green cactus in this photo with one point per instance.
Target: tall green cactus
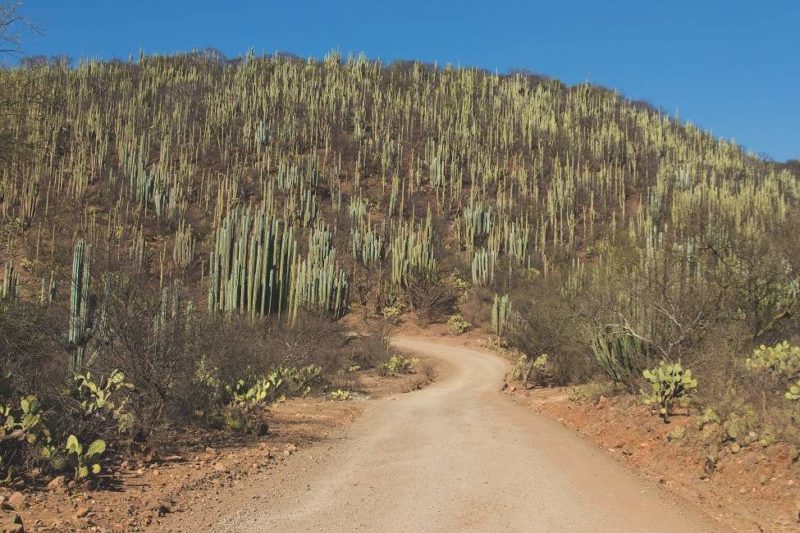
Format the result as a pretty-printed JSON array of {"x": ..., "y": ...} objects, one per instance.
[
  {"x": 317, "y": 281},
  {"x": 255, "y": 268},
  {"x": 48, "y": 291},
  {"x": 412, "y": 251},
  {"x": 8, "y": 290},
  {"x": 483, "y": 267},
  {"x": 183, "y": 249},
  {"x": 79, "y": 302},
  {"x": 501, "y": 312}
]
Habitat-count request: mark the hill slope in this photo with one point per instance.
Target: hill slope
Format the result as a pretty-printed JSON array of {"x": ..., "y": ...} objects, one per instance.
[{"x": 292, "y": 188}]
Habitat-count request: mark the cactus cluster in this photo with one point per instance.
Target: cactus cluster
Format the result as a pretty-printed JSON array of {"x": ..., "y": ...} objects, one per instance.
[
  {"x": 84, "y": 463},
  {"x": 501, "y": 313},
  {"x": 619, "y": 354},
  {"x": 669, "y": 382},
  {"x": 781, "y": 360},
  {"x": 183, "y": 248},
  {"x": 255, "y": 268},
  {"x": 412, "y": 251},
  {"x": 397, "y": 364}
]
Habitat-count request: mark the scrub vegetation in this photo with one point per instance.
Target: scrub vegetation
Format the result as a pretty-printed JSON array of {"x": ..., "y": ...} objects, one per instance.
[{"x": 182, "y": 235}]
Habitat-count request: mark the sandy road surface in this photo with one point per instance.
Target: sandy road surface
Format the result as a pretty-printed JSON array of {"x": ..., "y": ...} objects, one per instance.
[{"x": 456, "y": 456}]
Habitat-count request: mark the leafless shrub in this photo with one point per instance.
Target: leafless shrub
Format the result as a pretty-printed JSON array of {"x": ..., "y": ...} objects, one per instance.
[{"x": 432, "y": 299}]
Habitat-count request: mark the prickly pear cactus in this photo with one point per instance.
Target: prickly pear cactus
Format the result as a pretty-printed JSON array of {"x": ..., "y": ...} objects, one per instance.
[{"x": 669, "y": 382}]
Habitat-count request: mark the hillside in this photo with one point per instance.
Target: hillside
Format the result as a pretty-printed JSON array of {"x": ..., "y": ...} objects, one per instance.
[{"x": 152, "y": 211}]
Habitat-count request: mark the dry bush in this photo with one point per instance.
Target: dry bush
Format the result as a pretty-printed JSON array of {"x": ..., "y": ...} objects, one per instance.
[
  {"x": 431, "y": 299},
  {"x": 156, "y": 349},
  {"x": 367, "y": 351},
  {"x": 477, "y": 305},
  {"x": 545, "y": 323},
  {"x": 32, "y": 356},
  {"x": 314, "y": 339}
]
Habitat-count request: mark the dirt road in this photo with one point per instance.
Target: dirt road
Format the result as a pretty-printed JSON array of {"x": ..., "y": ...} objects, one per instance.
[{"x": 456, "y": 456}]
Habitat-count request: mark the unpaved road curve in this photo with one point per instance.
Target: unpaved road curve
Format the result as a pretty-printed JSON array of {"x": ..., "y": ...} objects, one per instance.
[{"x": 459, "y": 456}]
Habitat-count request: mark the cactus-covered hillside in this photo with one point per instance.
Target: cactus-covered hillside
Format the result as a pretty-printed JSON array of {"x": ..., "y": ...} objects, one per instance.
[
  {"x": 270, "y": 182},
  {"x": 147, "y": 201}
]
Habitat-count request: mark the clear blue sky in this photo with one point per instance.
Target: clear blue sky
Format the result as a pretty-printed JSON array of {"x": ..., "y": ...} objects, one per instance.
[{"x": 732, "y": 67}]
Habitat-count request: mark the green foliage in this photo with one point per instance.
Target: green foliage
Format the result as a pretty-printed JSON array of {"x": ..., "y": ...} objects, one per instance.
[
  {"x": 340, "y": 395},
  {"x": 258, "y": 392},
  {"x": 457, "y": 324},
  {"x": 8, "y": 289},
  {"x": 793, "y": 393},
  {"x": 243, "y": 401},
  {"x": 301, "y": 381},
  {"x": 461, "y": 285},
  {"x": 105, "y": 397},
  {"x": 235, "y": 417},
  {"x": 710, "y": 416},
  {"x": 782, "y": 358},
  {"x": 80, "y": 303},
  {"x": 392, "y": 313},
  {"x": 591, "y": 391},
  {"x": 22, "y": 428},
  {"x": 21, "y": 424},
  {"x": 529, "y": 369},
  {"x": 397, "y": 364},
  {"x": 501, "y": 312},
  {"x": 619, "y": 355},
  {"x": 84, "y": 464},
  {"x": 740, "y": 423},
  {"x": 669, "y": 382}
]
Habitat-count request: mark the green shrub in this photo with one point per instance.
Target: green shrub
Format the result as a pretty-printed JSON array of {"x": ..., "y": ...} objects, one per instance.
[
  {"x": 794, "y": 392},
  {"x": 668, "y": 383},
  {"x": 249, "y": 394},
  {"x": 105, "y": 397},
  {"x": 301, "y": 381},
  {"x": 457, "y": 324},
  {"x": 392, "y": 313},
  {"x": 782, "y": 359},
  {"x": 397, "y": 364},
  {"x": 340, "y": 395},
  {"x": 87, "y": 463},
  {"x": 740, "y": 423},
  {"x": 22, "y": 430},
  {"x": 589, "y": 392},
  {"x": 530, "y": 369},
  {"x": 619, "y": 355}
]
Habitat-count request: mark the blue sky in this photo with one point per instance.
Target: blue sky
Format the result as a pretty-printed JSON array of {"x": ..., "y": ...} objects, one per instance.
[{"x": 732, "y": 67}]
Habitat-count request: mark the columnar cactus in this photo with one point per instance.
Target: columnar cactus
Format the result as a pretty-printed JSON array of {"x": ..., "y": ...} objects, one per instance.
[
  {"x": 501, "y": 312},
  {"x": 412, "y": 251},
  {"x": 79, "y": 302},
  {"x": 483, "y": 267},
  {"x": 255, "y": 268},
  {"x": 183, "y": 249},
  {"x": 8, "y": 290}
]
